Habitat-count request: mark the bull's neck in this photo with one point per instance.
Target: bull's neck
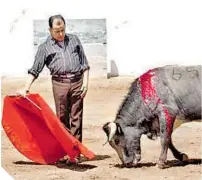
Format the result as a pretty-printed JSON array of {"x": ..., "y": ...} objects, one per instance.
[{"x": 132, "y": 109}]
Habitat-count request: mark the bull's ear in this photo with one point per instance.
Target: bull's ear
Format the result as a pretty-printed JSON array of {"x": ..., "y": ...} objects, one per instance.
[
  {"x": 110, "y": 129},
  {"x": 106, "y": 128},
  {"x": 119, "y": 130},
  {"x": 142, "y": 124}
]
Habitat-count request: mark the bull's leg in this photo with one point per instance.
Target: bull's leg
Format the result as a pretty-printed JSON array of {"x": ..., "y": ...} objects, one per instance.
[
  {"x": 164, "y": 150},
  {"x": 166, "y": 126},
  {"x": 178, "y": 155}
]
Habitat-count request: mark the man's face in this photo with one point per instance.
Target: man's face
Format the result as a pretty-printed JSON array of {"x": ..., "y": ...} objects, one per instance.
[{"x": 58, "y": 30}]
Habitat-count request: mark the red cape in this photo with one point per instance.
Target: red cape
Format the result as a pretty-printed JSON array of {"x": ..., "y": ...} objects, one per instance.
[{"x": 37, "y": 133}]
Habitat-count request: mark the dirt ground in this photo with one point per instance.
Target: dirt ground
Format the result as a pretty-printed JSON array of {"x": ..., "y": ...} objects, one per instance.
[{"x": 101, "y": 103}]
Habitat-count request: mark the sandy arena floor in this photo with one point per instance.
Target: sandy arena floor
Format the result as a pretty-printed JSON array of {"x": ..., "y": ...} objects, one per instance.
[{"x": 101, "y": 103}]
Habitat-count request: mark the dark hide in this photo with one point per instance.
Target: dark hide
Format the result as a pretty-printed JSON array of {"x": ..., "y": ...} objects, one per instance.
[{"x": 151, "y": 106}]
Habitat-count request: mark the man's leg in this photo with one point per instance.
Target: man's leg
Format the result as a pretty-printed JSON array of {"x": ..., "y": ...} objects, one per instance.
[
  {"x": 60, "y": 93},
  {"x": 76, "y": 114}
]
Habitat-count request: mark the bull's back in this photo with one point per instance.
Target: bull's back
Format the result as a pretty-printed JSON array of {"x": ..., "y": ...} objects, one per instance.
[{"x": 184, "y": 83}]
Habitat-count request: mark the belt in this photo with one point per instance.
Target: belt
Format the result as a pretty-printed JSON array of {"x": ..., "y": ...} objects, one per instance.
[{"x": 67, "y": 75}]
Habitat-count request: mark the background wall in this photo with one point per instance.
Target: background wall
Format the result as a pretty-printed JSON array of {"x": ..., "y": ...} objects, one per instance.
[
  {"x": 93, "y": 36},
  {"x": 158, "y": 33},
  {"x": 140, "y": 34}
]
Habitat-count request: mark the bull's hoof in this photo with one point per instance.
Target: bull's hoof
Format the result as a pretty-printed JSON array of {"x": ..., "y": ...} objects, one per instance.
[
  {"x": 184, "y": 157},
  {"x": 162, "y": 166},
  {"x": 129, "y": 165}
]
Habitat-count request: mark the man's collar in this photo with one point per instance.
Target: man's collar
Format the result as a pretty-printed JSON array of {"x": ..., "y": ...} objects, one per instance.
[{"x": 53, "y": 41}]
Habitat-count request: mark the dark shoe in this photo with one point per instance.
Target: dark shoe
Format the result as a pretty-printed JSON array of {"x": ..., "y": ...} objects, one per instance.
[
  {"x": 77, "y": 161},
  {"x": 62, "y": 160}
]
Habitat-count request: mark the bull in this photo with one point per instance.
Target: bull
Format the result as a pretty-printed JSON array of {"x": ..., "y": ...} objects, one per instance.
[{"x": 153, "y": 102}]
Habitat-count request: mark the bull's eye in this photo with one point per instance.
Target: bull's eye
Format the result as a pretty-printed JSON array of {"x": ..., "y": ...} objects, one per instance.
[{"x": 116, "y": 141}]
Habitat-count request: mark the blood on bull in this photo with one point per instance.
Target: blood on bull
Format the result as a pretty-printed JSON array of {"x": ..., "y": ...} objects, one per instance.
[{"x": 151, "y": 106}]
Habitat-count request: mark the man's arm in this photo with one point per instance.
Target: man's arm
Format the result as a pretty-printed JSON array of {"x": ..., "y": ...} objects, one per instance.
[
  {"x": 34, "y": 72},
  {"x": 85, "y": 78},
  {"x": 29, "y": 82},
  {"x": 39, "y": 61},
  {"x": 85, "y": 67},
  {"x": 84, "y": 87}
]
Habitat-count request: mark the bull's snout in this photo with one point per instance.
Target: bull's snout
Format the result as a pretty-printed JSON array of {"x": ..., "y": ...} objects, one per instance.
[
  {"x": 134, "y": 162},
  {"x": 137, "y": 159},
  {"x": 128, "y": 165}
]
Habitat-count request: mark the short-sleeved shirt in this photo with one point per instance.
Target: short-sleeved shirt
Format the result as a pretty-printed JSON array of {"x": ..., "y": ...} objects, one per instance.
[{"x": 60, "y": 58}]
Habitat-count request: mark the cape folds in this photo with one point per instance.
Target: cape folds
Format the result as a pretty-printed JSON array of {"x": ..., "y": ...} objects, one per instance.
[{"x": 36, "y": 132}]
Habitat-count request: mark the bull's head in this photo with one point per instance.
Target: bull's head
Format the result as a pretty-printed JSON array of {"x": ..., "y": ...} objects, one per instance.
[
  {"x": 126, "y": 142},
  {"x": 126, "y": 139}
]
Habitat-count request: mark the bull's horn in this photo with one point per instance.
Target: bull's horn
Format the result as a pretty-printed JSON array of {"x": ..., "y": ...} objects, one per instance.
[{"x": 113, "y": 128}]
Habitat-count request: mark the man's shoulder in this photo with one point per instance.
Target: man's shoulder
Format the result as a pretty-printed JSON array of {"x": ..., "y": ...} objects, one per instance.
[
  {"x": 70, "y": 35},
  {"x": 45, "y": 42}
]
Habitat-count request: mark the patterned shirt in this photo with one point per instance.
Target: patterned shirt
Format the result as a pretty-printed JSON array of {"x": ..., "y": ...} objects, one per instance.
[{"x": 59, "y": 59}]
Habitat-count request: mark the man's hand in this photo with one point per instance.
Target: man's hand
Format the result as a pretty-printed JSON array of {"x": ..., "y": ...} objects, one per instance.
[
  {"x": 84, "y": 87},
  {"x": 22, "y": 92},
  {"x": 84, "y": 90}
]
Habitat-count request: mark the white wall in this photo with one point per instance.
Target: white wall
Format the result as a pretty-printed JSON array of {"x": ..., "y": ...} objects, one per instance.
[
  {"x": 159, "y": 33},
  {"x": 141, "y": 35},
  {"x": 18, "y": 48}
]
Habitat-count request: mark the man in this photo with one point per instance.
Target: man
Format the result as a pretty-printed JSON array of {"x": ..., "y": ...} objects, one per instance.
[{"x": 64, "y": 56}]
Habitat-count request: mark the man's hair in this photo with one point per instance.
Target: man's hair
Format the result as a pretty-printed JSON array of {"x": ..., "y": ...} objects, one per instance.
[{"x": 52, "y": 18}]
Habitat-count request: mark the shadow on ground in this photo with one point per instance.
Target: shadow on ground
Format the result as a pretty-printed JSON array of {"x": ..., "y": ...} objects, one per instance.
[
  {"x": 171, "y": 163},
  {"x": 81, "y": 167}
]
